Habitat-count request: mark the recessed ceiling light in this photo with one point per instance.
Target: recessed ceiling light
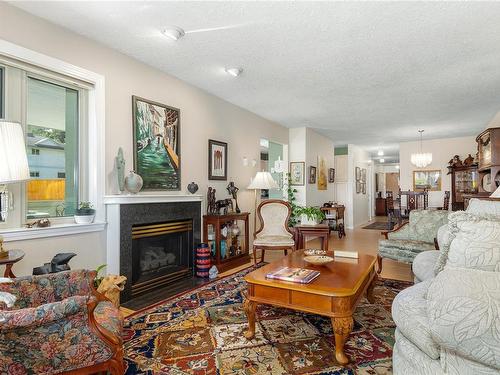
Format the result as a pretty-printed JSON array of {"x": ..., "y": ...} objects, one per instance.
[
  {"x": 380, "y": 153},
  {"x": 382, "y": 160},
  {"x": 174, "y": 33},
  {"x": 397, "y": 166},
  {"x": 235, "y": 72}
]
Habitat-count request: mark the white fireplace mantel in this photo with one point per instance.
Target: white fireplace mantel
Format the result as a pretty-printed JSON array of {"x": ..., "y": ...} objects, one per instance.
[
  {"x": 113, "y": 203},
  {"x": 150, "y": 198}
]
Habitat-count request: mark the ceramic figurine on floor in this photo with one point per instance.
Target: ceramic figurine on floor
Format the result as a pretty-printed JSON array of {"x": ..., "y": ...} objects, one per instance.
[
  {"x": 120, "y": 170},
  {"x": 212, "y": 274},
  {"x": 233, "y": 191},
  {"x": 133, "y": 182}
]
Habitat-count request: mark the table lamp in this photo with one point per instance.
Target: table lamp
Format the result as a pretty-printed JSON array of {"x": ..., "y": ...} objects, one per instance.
[
  {"x": 13, "y": 164},
  {"x": 262, "y": 180}
]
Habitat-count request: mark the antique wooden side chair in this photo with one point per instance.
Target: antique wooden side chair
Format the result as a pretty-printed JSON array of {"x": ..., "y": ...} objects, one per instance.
[{"x": 273, "y": 233}]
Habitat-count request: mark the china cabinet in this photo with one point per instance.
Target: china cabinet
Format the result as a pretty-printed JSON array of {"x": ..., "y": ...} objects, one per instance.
[
  {"x": 464, "y": 181},
  {"x": 227, "y": 237}
]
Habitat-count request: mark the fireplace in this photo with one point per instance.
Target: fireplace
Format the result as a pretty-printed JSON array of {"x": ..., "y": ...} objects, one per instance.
[
  {"x": 162, "y": 253},
  {"x": 151, "y": 241}
]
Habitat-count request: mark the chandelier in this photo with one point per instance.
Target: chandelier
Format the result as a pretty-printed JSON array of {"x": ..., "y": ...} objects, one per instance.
[{"x": 421, "y": 159}]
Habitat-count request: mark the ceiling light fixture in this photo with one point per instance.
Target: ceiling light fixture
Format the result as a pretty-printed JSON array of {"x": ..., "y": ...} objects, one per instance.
[
  {"x": 421, "y": 159},
  {"x": 174, "y": 33},
  {"x": 235, "y": 72},
  {"x": 382, "y": 160},
  {"x": 397, "y": 166},
  {"x": 380, "y": 153}
]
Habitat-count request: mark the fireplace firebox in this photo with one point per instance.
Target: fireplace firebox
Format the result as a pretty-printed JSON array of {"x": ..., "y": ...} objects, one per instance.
[{"x": 161, "y": 254}]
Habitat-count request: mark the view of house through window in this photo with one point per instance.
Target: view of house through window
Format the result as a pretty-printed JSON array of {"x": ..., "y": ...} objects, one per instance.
[{"x": 52, "y": 143}]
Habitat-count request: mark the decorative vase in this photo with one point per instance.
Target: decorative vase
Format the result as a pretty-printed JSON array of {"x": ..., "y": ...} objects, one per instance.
[
  {"x": 192, "y": 188},
  {"x": 235, "y": 230},
  {"x": 133, "y": 182}
]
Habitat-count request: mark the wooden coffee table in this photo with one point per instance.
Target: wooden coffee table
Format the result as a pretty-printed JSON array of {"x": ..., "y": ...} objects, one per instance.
[{"x": 335, "y": 293}]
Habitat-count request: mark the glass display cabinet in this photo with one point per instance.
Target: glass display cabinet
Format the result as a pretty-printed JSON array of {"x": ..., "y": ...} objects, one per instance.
[
  {"x": 464, "y": 181},
  {"x": 227, "y": 237},
  {"x": 488, "y": 146}
]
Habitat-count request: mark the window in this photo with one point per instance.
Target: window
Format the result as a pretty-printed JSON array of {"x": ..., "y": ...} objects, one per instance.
[
  {"x": 52, "y": 110},
  {"x": 52, "y": 121}
]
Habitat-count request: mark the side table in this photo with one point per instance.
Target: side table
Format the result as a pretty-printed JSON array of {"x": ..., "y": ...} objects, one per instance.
[
  {"x": 319, "y": 230},
  {"x": 14, "y": 257}
]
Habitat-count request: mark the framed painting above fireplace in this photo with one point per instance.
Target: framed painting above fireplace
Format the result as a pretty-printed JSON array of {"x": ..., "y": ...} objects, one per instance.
[{"x": 156, "y": 144}]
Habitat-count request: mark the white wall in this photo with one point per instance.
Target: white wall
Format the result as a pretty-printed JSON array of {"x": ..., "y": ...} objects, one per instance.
[
  {"x": 203, "y": 116},
  {"x": 305, "y": 146},
  {"x": 319, "y": 145},
  {"x": 297, "y": 152},
  {"x": 360, "y": 211},
  {"x": 442, "y": 151}
]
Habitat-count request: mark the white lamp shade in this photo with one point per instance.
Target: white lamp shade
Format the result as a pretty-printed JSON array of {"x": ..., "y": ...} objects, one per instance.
[
  {"x": 13, "y": 160},
  {"x": 496, "y": 193},
  {"x": 263, "y": 180}
]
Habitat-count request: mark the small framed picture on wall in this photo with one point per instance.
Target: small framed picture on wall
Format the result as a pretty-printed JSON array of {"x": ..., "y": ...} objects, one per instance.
[
  {"x": 312, "y": 175},
  {"x": 297, "y": 173},
  {"x": 358, "y": 187},
  {"x": 217, "y": 160},
  {"x": 358, "y": 173},
  {"x": 331, "y": 175}
]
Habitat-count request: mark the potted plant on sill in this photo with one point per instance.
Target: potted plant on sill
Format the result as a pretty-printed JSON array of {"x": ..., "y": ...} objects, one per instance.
[
  {"x": 84, "y": 214},
  {"x": 310, "y": 215}
]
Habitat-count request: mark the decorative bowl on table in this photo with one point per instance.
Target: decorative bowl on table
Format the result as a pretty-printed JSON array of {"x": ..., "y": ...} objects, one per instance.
[
  {"x": 314, "y": 252},
  {"x": 318, "y": 260}
]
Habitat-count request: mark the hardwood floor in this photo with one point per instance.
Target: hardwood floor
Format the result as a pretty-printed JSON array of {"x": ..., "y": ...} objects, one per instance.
[{"x": 361, "y": 240}]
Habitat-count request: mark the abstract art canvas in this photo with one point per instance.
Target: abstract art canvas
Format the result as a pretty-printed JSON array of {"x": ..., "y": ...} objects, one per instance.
[
  {"x": 217, "y": 160},
  {"x": 156, "y": 144},
  {"x": 322, "y": 173}
]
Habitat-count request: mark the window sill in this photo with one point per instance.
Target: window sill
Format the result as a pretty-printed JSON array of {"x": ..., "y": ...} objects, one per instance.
[{"x": 22, "y": 234}]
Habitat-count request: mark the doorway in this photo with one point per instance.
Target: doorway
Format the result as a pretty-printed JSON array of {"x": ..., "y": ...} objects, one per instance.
[{"x": 392, "y": 182}]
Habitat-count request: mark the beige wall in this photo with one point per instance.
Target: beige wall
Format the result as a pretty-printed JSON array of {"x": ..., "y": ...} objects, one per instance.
[
  {"x": 442, "y": 151},
  {"x": 305, "y": 146},
  {"x": 203, "y": 116}
]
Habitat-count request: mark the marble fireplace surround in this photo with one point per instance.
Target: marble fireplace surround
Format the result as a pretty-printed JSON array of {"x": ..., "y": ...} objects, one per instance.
[{"x": 123, "y": 211}]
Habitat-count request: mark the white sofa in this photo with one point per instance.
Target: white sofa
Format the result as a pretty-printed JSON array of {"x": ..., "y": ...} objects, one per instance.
[
  {"x": 449, "y": 323},
  {"x": 424, "y": 264}
]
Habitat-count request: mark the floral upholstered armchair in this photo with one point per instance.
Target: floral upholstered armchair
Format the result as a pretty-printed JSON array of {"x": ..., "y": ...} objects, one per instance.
[
  {"x": 413, "y": 237},
  {"x": 59, "y": 324}
]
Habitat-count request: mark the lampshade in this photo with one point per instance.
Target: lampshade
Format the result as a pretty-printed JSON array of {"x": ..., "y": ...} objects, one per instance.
[
  {"x": 13, "y": 160},
  {"x": 496, "y": 193},
  {"x": 263, "y": 180}
]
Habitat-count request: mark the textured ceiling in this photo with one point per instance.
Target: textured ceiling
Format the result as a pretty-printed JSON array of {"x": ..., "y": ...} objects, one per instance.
[{"x": 363, "y": 73}]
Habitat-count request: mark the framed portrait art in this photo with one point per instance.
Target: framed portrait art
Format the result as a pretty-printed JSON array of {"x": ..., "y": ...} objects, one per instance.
[
  {"x": 331, "y": 175},
  {"x": 357, "y": 174},
  {"x": 217, "y": 160},
  {"x": 312, "y": 175},
  {"x": 297, "y": 172},
  {"x": 156, "y": 144}
]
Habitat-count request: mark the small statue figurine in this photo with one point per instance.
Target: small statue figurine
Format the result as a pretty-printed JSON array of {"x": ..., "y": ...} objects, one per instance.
[
  {"x": 469, "y": 161},
  {"x": 213, "y": 272},
  {"x": 233, "y": 191},
  {"x": 211, "y": 201},
  {"x": 120, "y": 170},
  {"x": 455, "y": 162}
]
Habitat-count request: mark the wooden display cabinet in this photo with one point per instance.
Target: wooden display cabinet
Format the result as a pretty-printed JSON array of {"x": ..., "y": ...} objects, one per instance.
[
  {"x": 464, "y": 181},
  {"x": 227, "y": 237}
]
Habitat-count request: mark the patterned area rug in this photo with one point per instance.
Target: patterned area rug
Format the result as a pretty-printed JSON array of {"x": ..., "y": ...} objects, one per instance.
[{"x": 200, "y": 332}]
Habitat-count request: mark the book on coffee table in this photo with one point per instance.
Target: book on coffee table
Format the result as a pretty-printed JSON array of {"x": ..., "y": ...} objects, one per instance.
[{"x": 294, "y": 275}]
